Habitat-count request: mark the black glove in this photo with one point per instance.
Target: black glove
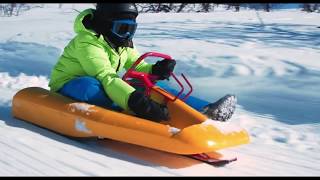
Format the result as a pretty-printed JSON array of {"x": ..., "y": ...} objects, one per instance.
[
  {"x": 163, "y": 68},
  {"x": 146, "y": 108}
]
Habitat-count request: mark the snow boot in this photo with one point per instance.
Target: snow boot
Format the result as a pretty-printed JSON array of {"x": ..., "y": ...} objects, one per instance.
[{"x": 221, "y": 110}]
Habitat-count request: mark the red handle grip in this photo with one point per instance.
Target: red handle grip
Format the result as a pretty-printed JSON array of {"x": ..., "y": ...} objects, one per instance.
[{"x": 148, "y": 79}]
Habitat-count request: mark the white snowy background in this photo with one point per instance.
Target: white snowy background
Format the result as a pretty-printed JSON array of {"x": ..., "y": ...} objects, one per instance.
[{"x": 271, "y": 61}]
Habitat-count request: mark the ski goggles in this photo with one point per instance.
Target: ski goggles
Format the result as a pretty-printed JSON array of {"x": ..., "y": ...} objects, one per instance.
[{"x": 124, "y": 28}]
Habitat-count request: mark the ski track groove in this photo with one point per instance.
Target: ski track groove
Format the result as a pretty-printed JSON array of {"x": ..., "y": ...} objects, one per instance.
[
  {"x": 23, "y": 161},
  {"x": 26, "y": 151},
  {"x": 268, "y": 162}
]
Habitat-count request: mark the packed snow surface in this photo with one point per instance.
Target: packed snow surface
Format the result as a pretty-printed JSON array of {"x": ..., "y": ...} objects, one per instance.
[{"x": 270, "y": 61}]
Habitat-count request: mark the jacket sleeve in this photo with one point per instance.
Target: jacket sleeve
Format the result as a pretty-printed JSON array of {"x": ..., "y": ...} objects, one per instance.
[
  {"x": 133, "y": 55},
  {"x": 94, "y": 60}
]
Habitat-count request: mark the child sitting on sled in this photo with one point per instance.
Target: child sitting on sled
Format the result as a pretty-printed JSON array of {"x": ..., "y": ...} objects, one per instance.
[{"x": 87, "y": 69}]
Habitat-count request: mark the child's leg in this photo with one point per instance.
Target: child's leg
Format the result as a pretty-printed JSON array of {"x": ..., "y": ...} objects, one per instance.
[
  {"x": 192, "y": 101},
  {"x": 221, "y": 110},
  {"x": 87, "y": 89}
]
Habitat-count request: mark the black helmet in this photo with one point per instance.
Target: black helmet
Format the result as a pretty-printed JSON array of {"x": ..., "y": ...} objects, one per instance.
[
  {"x": 116, "y": 10},
  {"x": 105, "y": 16}
]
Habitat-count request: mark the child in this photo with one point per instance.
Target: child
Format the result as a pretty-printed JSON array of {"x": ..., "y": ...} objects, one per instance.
[{"x": 87, "y": 69}]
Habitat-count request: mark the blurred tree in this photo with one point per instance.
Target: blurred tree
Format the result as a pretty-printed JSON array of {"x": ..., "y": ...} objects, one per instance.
[
  {"x": 10, "y": 9},
  {"x": 267, "y": 6},
  {"x": 205, "y": 7},
  {"x": 306, "y": 7},
  {"x": 181, "y": 7},
  {"x": 236, "y": 6}
]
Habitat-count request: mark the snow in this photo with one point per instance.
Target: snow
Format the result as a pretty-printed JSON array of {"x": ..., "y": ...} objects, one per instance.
[
  {"x": 174, "y": 130},
  {"x": 269, "y": 60},
  {"x": 81, "y": 107},
  {"x": 81, "y": 126},
  {"x": 223, "y": 127}
]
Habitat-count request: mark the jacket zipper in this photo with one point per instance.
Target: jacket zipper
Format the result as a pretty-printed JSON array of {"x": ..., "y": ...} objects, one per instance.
[
  {"x": 119, "y": 60},
  {"x": 118, "y": 64},
  {"x": 111, "y": 45}
]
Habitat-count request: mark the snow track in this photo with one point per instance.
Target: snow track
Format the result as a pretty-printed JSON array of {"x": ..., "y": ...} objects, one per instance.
[{"x": 273, "y": 68}]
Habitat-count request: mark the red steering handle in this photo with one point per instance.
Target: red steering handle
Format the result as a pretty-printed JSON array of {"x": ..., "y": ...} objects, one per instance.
[{"x": 148, "y": 80}]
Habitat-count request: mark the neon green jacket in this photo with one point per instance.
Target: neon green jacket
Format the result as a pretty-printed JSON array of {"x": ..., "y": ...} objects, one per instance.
[{"x": 89, "y": 55}]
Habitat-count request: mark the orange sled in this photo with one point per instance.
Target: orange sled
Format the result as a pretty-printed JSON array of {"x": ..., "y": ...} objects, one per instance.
[{"x": 187, "y": 132}]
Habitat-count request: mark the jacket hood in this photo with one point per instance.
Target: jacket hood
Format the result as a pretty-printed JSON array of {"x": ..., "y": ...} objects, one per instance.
[{"x": 78, "y": 25}]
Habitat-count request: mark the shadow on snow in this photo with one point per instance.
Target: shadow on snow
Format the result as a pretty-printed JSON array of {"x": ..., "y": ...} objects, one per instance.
[{"x": 27, "y": 58}]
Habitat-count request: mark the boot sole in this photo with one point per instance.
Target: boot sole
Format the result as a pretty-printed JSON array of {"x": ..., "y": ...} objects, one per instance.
[{"x": 222, "y": 110}]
